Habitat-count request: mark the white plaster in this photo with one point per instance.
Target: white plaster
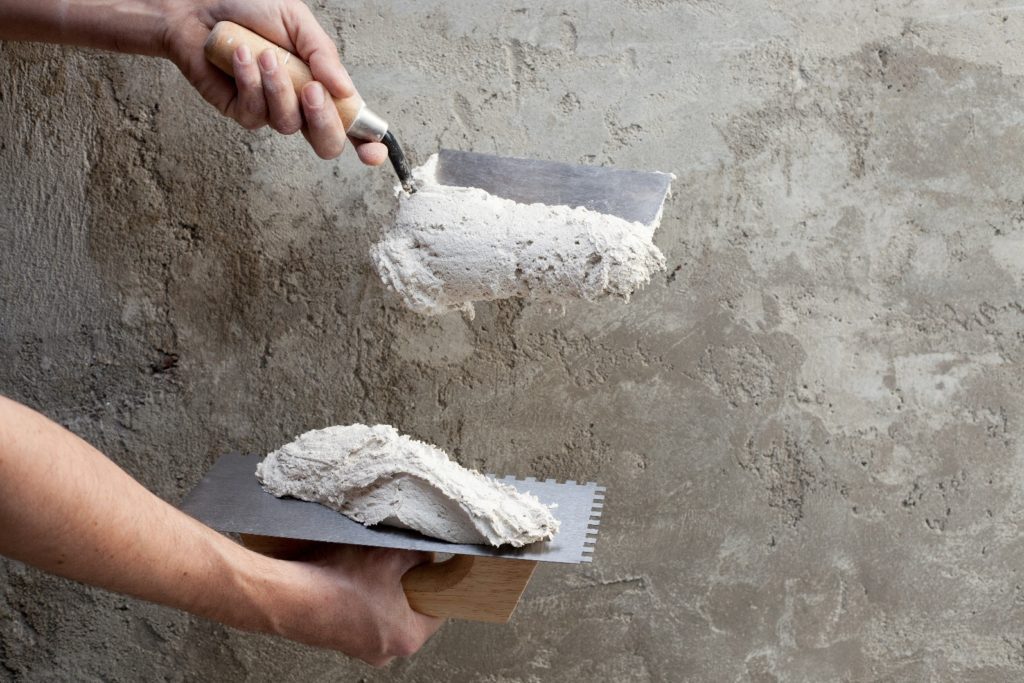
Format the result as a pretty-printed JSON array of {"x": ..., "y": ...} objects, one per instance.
[
  {"x": 451, "y": 246},
  {"x": 377, "y": 476}
]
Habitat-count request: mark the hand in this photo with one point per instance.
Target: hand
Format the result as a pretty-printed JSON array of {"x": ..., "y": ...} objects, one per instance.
[
  {"x": 350, "y": 598},
  {"x": 261, "y": 92},
  {"x": 101, "y": 527}
]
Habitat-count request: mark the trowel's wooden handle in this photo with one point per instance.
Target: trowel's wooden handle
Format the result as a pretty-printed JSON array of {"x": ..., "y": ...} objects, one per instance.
[
  {"x": 468, "y": 587},
  {"x": 226, "y": 37},
  {"x": 464, "y": 587}
]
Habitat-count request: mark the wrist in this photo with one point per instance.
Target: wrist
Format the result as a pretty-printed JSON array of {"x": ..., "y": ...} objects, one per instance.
[
  {"x": 133, "y": 27},
  {"x": 128, "y": 26},
  {"x": 259, "y": 589},
  {"x": 300, "y": 600}
]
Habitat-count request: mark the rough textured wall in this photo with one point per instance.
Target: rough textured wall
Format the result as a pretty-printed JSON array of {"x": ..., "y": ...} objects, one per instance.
[{"x": 810, "y": 425}]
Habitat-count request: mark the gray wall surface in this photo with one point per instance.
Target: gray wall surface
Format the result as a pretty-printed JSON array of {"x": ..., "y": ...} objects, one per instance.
[{"x": 810, "y": 425}]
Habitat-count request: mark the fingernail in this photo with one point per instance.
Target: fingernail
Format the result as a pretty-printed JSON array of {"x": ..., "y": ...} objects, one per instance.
[
  {"x": 244, "y": 54},
  {"x": 268, "y": 60},
  {"x": 313, "y": 94}
]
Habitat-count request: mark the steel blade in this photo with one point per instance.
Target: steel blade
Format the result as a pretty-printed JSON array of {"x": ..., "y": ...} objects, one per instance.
[
  {"x": 632, "y": 195},
  {"x": 230, "y": 499}
]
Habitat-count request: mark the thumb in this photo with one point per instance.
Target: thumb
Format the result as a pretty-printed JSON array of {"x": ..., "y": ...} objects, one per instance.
[
  {"x": 317, "y": 49},
  {"x": 427, "y": 626},
  {"x": 407, "y": 559}
]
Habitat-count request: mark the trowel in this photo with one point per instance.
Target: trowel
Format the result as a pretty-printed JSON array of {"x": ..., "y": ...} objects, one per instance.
[
  {"x": 478, "y": 583},
  {"x": 632, "y": 195}
]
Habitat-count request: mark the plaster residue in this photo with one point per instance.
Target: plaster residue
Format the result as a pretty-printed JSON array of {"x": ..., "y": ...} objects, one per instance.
[
  {"x": 377, "y": 476},
  {"x": 451, "y": 246}
]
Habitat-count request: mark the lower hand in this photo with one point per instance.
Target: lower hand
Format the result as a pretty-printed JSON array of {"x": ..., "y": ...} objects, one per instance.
[
  {"x": 349, "y": 598},
  {"x": 261, "y": 93},
  {"x": 102, "y": 528}
]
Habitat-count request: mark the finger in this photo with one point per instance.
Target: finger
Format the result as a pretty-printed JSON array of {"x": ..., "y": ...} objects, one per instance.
[
  {"x": 252, "y": 104},
  {"x": 379, "y": 662},
  {"x": 316, "y": 48},
  {"x": 371, "y": 153},
  {"x": 282, "y": 102},
  {"x": 324, "y": 129},
  {"x": 428, "y": 626},
  {"x": 212, "y": 84},
  {"x": 404, "y": 560},
  {"x": 337, "y": 554}
]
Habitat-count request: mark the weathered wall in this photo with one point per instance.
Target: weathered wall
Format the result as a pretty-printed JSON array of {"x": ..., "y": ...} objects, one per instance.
[{"x": 810, "y": 426}]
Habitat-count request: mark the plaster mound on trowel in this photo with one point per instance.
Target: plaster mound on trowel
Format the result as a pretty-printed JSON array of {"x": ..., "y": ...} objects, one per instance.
[
  {"x": 377, "y": 476},
  {"x": 451, "y": 246}
]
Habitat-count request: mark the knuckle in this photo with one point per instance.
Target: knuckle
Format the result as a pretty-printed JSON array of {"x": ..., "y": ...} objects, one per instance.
[
  {"x": 247, "y": 78},
  {"x": 296, "y": 8},
  {"x": 288, "y": 126},
  {"x": 404, "y": 645},
  {"x": 240, "y": 116},
  {"x": 256, "y": 107},
  {"x": 276, "y": 83},
  {"x": 248, "y": 83},
  {"x": 408, "y": 647}
]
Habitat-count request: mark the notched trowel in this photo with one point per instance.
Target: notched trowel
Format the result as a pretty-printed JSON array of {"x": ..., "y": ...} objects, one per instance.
[{"x": 479, "y": 583}]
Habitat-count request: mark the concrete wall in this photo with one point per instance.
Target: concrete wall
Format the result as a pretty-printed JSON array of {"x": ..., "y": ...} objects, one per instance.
[{"x": 809, "y": 426}]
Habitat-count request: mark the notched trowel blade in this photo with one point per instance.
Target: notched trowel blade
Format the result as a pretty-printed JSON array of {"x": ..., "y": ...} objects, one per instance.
[
  {"x": 230, "y": 499},
  {"x": 636, "y": 196}
]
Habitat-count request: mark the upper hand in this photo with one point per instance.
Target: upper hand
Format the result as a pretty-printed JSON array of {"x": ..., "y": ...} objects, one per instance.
[{"x": 261, "y": 92}]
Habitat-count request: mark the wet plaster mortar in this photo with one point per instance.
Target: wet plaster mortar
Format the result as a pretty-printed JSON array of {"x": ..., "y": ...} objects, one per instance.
[{"x": 809, "y": 425}]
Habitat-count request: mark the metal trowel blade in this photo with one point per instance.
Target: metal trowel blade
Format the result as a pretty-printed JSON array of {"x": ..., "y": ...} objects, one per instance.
[
  {"x": 230, "y": 499},
  {"x": 635, "y": 196}
]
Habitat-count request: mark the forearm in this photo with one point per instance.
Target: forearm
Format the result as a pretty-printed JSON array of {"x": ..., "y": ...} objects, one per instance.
[
  {"x": 67, "y": 509},
  {"x": 136, "y": 26}
]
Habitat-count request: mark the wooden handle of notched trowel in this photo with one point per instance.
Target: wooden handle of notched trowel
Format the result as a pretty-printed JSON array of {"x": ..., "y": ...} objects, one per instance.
[
  {"x": 464, "y": 587},
  {"x": 226, "y": 37},
  {"x": 469, "y": 587}
]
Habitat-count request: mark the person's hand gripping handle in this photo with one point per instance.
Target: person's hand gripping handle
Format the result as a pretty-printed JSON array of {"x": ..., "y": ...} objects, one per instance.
[
  {"x": 226, "y": 37},
  {"x": 359, "y": 121}
]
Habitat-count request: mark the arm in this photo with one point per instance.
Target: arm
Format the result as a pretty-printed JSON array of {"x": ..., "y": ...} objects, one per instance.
[
  {"x": 67, "y": 509},
  {"x": 177, "y": 29}
]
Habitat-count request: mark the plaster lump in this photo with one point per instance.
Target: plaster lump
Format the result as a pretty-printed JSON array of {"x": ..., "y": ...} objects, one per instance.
[
  {"x": 377, "y": 476},
  {"x": 451, "y": 246}
]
